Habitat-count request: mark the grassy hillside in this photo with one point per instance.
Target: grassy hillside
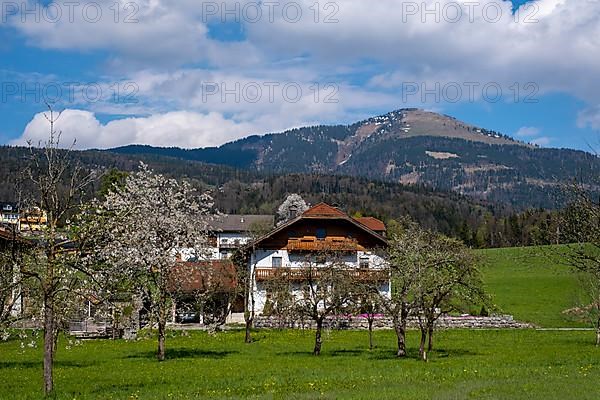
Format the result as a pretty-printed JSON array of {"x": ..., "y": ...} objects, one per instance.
[{"x": 526, "y": 283}]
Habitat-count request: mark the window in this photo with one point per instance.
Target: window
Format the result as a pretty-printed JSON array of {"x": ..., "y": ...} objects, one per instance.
[
  {"x": 321, "y": 233},
  {"x": 277, "y": 262},
  {"x": 363, "y": 262}
]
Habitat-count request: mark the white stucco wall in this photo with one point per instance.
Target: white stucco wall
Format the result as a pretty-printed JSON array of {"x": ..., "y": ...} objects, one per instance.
[
  {"x": 231, "y": 237},
  {"x": 263, "y": 259},
  {"x": 221, "y": 251}
]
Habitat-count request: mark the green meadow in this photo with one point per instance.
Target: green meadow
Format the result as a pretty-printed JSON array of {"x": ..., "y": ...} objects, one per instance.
[
  {"x": 528, "y": 284},
  {"x": 279, "y": 365},
  {"x": 508, "y": 364}
]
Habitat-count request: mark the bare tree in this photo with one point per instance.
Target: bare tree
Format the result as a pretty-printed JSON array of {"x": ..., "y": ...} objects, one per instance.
[
  {"x": 447, "y": 280},
  {"x": 581, "y": 228},
  {"x": 368, "y": 302},
  {"x": 246, "y": 276},
  {"x": 588, "y": 309},
  {"x": 58, "y": 185},
  {"x": 431, "y": 275},
  {"x": 146, "y": 227},
  {"x": 322, "y": 287},
  {"x": 404, "y": 258}
]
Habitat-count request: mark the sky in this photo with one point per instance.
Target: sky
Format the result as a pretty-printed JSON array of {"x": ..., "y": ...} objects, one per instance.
[{"x": 192, "y": 73}]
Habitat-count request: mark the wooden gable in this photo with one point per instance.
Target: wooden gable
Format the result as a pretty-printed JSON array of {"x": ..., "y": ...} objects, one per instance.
[{"x": 322, "y": 228}]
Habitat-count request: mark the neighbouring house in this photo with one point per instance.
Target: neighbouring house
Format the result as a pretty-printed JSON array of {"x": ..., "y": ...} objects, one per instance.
[
  {"x": 227, "y": 234},
  {"x": 9, "y": 214},
  {"x": 321, "y": 231},
  {"x": 203, "y": 291},
  {"x": 25, "y": 219},
  {"x": 374, "y": 224},
  {"x": 33, "y": 220},
  {"x": 231, "y": 232}
]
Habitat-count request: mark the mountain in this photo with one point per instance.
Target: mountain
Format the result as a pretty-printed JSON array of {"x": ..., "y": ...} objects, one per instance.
[
  {"x": 246, "y": 192},
  {"x": 410, "y": 146},
  {"x": 478, "y": 223}
]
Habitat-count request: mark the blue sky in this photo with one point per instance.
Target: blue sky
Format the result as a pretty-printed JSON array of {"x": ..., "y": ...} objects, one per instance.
[{"x": 179, "y": 72}]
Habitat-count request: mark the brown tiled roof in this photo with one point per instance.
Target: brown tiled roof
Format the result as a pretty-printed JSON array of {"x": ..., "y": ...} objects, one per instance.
[
  {"x": 323, "y": 210},
  {"x": 240, "y": 223},
  {"x": 372, "y": 223},
  {"x": 215, "y": 275}
]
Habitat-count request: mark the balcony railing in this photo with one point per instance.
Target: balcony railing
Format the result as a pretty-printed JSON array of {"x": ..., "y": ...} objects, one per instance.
[
  {"x": 230, "y": 245},
  {"x": 303, "y": 274},
  {"x": 323, "y": 245}
]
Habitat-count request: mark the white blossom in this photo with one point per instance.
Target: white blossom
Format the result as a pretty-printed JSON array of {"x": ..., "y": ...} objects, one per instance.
[{"x": 293, "y": 206}]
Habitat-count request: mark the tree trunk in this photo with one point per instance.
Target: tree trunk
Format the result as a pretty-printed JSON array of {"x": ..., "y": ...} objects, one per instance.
[
  {"x": 115, "y": 324},
  {"x": 401, "y": 335},
  {"x": 422, "y": 351},
  {"x": 162, "y": 323},
  {"x": 249, "y": 307},
  {"x": 318, "y": 341},
  {"x": 598, "y": 332},
  {"x": 49, "y": 345},
  {"x": 248, "y": 338},
  {"x": 370, "y": 319},
  {"x": 400, "y": 328},
  {"x": 430, "y": 336},
  {"x": 161, "y": 340}
]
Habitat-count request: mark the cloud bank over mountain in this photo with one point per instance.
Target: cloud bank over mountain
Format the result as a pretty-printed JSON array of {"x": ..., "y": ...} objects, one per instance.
[{"x": 296, "y": 63}]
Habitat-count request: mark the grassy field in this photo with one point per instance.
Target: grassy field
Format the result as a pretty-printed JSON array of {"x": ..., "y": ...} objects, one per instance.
[
  {"x": 525, "y": 364},
  {"x": 526, "y": 284},
  {"x": 468, "y": 364}
]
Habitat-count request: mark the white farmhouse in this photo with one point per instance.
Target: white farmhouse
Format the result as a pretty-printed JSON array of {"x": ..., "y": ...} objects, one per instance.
[{"x": 319, "y": 231}]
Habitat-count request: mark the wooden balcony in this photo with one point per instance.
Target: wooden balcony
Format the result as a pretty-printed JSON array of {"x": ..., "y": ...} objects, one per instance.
[
  {"x": 303, "y": 274},
  {"x": 328, "y": 244},
  {"x": 230, "y": 245}
]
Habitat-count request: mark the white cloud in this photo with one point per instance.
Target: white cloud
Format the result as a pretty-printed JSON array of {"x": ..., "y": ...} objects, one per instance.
[
  {"x": 140, "y": 33},
  {"x": 557, "y": 51},
  {"x": 590, "y": 117},
  {"x": 553, "y": 50},
  {"x": 533, "y": 133},
  {"x": 553, "y": 44},
  {"x": 180, "y": 128},
  {"x": 528, "y": 131},
  {"x": 209, "y": 119},
  {"x": 542, "y": 141}
]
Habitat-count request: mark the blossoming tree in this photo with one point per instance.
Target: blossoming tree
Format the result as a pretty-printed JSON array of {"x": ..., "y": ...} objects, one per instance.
[{"x": 147, "y": 227}]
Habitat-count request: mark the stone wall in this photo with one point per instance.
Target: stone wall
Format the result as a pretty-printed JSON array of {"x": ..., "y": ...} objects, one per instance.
[{"x": 444, "y": 322}]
